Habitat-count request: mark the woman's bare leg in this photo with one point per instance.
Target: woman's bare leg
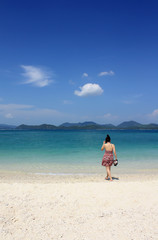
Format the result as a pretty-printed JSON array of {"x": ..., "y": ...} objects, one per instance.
[
  {"x": 108, "y": 169},
  {"x": 107, "y": 174},
  {"x": 110, "y": 173}
]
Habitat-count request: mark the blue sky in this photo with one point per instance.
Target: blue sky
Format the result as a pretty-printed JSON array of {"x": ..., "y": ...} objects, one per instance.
[{"x": 78, "y": 61}]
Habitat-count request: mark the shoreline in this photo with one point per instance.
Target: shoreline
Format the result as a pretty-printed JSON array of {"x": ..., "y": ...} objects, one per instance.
[{"x": 142, "y": 175}]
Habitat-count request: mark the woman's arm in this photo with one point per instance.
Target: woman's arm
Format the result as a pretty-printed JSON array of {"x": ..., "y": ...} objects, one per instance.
[
  {"x": 103, "y": 146},
  {"x": 113, "y": 147}
]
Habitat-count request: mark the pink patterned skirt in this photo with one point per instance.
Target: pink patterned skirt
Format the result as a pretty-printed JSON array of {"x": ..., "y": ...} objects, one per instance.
[{"x": 108, "y": 159}]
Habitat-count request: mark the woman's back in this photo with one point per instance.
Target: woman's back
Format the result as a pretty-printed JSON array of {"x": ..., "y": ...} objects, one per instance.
[{"x": 108, "y": 146}]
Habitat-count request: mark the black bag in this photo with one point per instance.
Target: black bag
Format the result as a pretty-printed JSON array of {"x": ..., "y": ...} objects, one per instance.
[{"x": 115, "y": 162}]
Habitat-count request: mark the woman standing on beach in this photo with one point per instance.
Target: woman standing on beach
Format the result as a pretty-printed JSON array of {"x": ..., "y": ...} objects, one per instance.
[{"x": 108, "y": 158}]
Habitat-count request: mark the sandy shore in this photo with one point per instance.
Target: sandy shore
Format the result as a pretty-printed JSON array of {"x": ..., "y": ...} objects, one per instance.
[{"x": 34, "y": 207}]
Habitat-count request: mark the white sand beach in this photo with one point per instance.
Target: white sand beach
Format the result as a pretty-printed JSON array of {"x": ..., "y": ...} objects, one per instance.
[{"x": 78, "y": 207}]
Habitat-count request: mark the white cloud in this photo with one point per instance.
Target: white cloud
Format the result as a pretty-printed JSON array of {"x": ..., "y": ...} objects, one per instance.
[
  {"x": 110, "y": 73},
  {"x": 7, "y": 107},
  {"x": 36, "y": 76},
  {"x": 8, "y": 110},
  {"x": 107, "y": 115},
  {"x": 85, "y": 75},
  {"x": 89, "y": 89},
  {"x": 154, "y": 113},
  {"x": 28, "y": 113},
  {"x": 9, "y": 115}
]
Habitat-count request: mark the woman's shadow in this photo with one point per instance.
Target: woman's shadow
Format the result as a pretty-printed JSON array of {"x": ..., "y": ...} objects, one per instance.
[{"x": 115, "y": 178}]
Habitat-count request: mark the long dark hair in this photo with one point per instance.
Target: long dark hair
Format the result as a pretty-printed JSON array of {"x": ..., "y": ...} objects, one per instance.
[{"x": 107, "y": 139}]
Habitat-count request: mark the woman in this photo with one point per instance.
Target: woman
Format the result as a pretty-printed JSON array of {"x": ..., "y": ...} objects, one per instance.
[{"x": 108, "y": 158}]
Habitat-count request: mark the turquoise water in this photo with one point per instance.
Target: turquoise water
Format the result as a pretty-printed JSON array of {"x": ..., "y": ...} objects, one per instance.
[{"x": 58, "y": 152}]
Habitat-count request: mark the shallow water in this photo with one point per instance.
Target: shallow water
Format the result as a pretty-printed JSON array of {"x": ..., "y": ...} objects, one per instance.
[{"x": 58, "y": 152}]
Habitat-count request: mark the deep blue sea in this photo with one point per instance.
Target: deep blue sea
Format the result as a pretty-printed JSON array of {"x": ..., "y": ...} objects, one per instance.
[{"x": 71, "y": 152}]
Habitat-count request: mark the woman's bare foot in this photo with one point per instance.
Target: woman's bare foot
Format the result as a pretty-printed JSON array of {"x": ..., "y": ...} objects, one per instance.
[
  {"x": 111, "y": 179},
  {"x": 106, "y": 178}
]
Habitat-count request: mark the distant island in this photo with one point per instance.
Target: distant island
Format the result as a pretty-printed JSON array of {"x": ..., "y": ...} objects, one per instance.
[{"x": 128, "y": 125}]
